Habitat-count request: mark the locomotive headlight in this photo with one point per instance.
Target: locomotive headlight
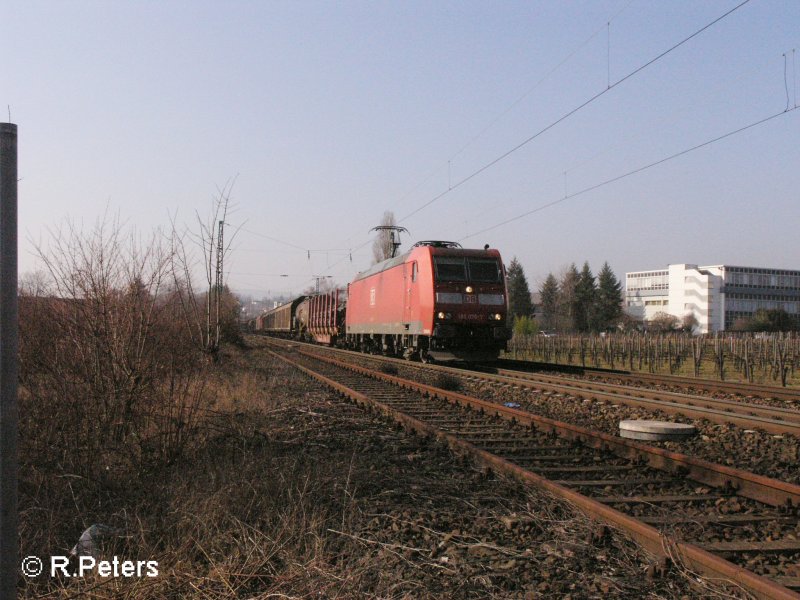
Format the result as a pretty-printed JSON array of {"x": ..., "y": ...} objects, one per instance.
[
  {"x": 440, "y": 315},
  {"x": 469, "y": 289},
  {"x": 498, "y": 317}
]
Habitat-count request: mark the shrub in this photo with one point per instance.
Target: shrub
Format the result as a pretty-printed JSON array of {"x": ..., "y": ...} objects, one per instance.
[
  {"x": 107, "y": 371},
  {"x": 448, "y": 382},
  {"x": 388, "y": 368},
  {"x": 525, "y": 326}
]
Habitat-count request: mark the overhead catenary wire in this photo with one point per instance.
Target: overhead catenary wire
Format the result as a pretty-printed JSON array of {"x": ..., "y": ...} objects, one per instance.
[
  {"x": 346, "y": 254},
  {"x": 264, "y": 274},
  {"x": 608, "y": 55},
  {"x": 571, "y": 112},
  {"x": 291, "y": 245},
  {"x": 510, "y": 107},
  {"x": 506, "y": 111},
  {"x": 619, "y": 143},
  {"x": 794, "y": 77},
  {"x": 452, "y": 186},
  {"x": 786, "y": 78},
  {"x": 632, "y": 172},
  {"x": 539, "y": 82},
  {"x": 327, "y": 268}
]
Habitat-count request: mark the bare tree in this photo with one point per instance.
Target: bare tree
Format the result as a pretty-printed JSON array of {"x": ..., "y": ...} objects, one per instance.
[
  {"x": 323, "y": 285},
  {"x": 663, "y": 322},
  {"x": 100, "y": 357},
  {"x": 384, "y": 244},
  {"x": 202, "y": 311},
  {"x": 34, "y": 284},
  {"x": 689, "y": 323}
]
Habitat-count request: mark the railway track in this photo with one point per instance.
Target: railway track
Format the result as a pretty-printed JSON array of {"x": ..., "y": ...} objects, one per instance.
[
  {"x": 651, "y": 379},
  {"x": 772, "y": 419},
  {"x": 719, "y": 521}
]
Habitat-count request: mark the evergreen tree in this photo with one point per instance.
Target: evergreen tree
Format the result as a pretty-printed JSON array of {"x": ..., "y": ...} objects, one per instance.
[
  {"x": 549, "y": 293},
  {"x": 519, "y": 294},
  {"x": 585, "y": 292},
  {"x": 609, "y": 298},
  {"x": 567, "y": 299}
]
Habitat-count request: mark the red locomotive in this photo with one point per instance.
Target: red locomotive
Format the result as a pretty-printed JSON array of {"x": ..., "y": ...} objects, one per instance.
[{"x": 437, "y": 301}]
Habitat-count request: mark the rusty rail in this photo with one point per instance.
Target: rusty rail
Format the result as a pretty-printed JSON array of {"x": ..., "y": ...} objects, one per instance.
[
  {"x": 732, "y": 387},
  {"x": 763, "y": 489},
  {"x": 768, "y": 418},
  {"x": 690, "y": 555}
]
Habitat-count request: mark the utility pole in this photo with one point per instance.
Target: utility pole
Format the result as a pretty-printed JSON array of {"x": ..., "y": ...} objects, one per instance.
[
  {"x": 9, "y": 326},
  {"x": 318, "y": 277}
]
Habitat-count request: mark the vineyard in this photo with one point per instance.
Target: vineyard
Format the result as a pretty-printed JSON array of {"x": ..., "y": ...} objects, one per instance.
[{"x": 756, "y": 358}]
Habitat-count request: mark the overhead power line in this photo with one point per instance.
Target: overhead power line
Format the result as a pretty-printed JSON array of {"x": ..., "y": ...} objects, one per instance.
[
  {"x": 508, "y": 109},
  {"x": 572, "y": 112},
  {"x": 633, "y": 172},
  {"x": 512, "y": 106},
  {"x": 541, "y": 80},
  {"x": 291, "y": 245},
  {"x": 620, "y": 142},
  {"x": 269, "y": 237}
]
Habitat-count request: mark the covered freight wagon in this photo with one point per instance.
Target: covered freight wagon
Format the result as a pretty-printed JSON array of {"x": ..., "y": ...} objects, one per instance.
[{"x": 280, "y": 320}]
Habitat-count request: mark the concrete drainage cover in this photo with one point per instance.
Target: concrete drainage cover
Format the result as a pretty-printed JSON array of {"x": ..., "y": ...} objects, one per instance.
[{"x": 655, "y": 430}]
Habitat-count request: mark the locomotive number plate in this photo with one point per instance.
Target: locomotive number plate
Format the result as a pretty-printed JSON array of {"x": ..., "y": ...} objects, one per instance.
[{"x": 469, "y": 317}]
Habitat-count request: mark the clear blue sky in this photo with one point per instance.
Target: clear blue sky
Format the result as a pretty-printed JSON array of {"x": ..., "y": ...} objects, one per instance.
[{"x": 331, "y": 113}]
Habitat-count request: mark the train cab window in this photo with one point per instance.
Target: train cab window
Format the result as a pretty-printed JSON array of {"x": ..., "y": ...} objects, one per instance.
[
  {"x": 450, "y": 268},
  {"x": 413, "y": 271},
  {"x": 485, "y": 270}
]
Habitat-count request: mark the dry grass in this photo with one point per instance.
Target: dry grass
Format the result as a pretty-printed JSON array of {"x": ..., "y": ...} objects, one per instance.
[
  {"x": 283, "y": 492},
  {"x": 225, "y": 519}
]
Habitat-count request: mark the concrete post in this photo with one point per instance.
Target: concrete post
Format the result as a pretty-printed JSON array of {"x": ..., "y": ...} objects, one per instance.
[{"x": 9, "y": 547}]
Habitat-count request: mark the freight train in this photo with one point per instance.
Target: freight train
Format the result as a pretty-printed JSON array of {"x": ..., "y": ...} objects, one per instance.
[{"x": 438, "y": 301}]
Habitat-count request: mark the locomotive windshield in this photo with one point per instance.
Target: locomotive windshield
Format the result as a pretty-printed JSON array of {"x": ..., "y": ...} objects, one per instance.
[
  {"x": 450, "y": 268},
  {"x": 457, "y": 268},
  {"x": 485, "y": 270}
]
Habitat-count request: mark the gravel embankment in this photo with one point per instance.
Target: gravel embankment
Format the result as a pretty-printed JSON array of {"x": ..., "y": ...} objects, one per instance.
[
  {"x": 766, "y": 454},
  {"x": 422, "y": 523}
]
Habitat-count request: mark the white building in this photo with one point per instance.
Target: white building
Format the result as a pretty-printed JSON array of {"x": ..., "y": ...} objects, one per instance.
[{"x": 716, "y": 295}]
